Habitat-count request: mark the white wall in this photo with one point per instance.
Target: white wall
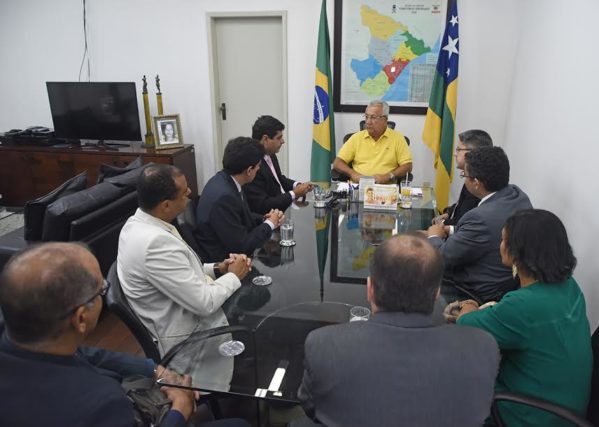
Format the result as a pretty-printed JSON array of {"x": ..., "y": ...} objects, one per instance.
[
  {"x": 527, "y": 75},
  {"x": 551, "y": 136}
]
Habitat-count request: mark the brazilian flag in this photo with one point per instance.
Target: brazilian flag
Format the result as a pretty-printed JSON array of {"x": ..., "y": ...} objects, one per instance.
[
  {"x": 323, "y": 139},
  {"x": 439, "y": 125}
]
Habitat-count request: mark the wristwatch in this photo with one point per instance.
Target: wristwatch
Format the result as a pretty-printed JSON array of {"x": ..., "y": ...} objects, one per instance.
[{"x": 216, "y": 271}]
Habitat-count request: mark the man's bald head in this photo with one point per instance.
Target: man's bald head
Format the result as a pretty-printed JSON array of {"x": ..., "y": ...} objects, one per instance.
[
  {"x": 406, "y": 273},
  {"x": 39, "y": 285}
]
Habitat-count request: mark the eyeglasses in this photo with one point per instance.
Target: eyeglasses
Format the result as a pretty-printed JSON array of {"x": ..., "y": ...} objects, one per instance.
[
  {"x": 457, "y": 150},
  {"x": 102, "y": 292},
  {"x": 463, "y": 175},
  {"x": 367, "y": 117}
]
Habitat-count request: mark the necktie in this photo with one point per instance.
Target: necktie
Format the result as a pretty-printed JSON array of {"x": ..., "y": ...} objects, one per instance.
[{"x": 268, "y": 161}]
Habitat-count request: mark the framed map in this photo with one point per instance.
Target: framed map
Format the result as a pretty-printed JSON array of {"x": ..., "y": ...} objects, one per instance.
[{"x": 386, "y": 49}]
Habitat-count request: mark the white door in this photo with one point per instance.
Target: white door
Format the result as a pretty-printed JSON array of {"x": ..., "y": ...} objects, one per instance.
[{"x": 249, "y": 75}]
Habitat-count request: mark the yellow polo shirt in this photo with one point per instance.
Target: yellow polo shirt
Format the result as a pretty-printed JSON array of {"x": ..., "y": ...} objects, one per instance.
[{"x": 369, "y": 157}]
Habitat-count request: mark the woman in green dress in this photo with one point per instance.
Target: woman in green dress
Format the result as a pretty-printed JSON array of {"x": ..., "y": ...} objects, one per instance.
[{"x": 541, "y": 328}]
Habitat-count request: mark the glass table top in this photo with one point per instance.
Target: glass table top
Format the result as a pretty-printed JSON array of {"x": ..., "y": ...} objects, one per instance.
[{"x": 314, "y": 283}]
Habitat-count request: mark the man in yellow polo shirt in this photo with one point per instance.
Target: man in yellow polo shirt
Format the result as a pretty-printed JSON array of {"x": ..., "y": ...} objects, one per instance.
[{"x": 377, "y": 151}]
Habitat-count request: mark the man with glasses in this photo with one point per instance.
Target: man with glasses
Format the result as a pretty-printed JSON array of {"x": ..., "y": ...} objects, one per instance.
[
  {"x": 376, "y": 151},
  {"x": 468, "y": 141},
  {"x": 51, "y": 298},
  {"x": 473, "y": 267}
]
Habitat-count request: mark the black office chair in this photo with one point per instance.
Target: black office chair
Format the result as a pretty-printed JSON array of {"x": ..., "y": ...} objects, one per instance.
[
  {"x": 117, "y": 303},
  {"x": 534, "y": 402},
  {"x": 186, "y": 225}
]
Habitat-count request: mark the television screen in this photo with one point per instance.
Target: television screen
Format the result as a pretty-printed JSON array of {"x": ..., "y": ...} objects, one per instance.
[{"x": 94, "y": 110}]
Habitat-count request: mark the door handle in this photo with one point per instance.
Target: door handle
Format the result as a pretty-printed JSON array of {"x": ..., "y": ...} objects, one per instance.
[{"x": 223, "y": 111}]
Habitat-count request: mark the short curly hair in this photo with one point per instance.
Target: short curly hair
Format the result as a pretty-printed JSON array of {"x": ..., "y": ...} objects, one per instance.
[
  {"x": 537, "y": 241},
  {"x": 490, "y": 166}
]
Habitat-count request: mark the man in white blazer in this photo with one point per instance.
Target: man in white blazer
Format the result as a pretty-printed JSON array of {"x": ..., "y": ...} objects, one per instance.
[{"x": 164, "y": 280}]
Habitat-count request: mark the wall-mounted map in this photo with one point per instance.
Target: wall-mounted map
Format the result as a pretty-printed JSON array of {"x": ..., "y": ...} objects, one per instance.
[{"x": 388, "y": 50}]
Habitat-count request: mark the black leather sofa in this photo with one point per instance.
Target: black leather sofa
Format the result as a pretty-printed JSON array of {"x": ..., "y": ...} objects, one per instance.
[{"x": 93, "y": 216}]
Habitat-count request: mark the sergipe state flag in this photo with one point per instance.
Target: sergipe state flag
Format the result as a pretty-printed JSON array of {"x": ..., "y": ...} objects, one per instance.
[
  {"x": 323, "y": 131},
  {"x": 439, "y": 125}
]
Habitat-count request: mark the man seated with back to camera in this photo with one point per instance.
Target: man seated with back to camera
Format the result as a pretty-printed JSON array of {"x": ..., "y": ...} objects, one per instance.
[
  {"x": 51, "y": 298},
  {"x": 403, "y": 366},
  {"x": 468, "y": 141},
  {"x": 225, "y": 222},
  {"x": 473, "y": 267},
  {"x": 376, "y": 151},
  {"x": 270, "y": 189}
]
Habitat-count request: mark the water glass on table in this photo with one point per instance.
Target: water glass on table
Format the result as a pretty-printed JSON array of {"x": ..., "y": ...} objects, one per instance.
[
  {"x": 319, "y": 196},
  {"x": 359, "y": 313},
  {"x": 287, "y": 234}
]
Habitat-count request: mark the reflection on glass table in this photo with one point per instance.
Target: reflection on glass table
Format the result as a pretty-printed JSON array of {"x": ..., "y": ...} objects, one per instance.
[{"x": 356, "y": 231}]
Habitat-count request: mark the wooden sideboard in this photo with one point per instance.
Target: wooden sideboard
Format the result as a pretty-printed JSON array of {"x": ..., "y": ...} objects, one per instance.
[{"x": 27, "y": 172}]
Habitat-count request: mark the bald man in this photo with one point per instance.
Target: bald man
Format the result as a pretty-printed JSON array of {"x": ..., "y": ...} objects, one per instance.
[
  {"x": 401, "y": 366},
  {"x": 51, "y": 297}
]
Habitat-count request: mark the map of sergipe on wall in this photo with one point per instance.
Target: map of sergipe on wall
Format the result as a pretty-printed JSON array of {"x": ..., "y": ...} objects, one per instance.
[{"x": 390, "y": 50}]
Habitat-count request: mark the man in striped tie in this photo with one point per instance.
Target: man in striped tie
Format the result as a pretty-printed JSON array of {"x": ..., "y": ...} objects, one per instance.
[{"x": 271, "y": 189}]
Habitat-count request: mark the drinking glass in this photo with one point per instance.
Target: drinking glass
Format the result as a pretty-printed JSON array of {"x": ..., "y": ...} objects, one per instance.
[
  {"x": 359, "y": 313},
  {"x": 406, "y": 194},
  {"x": 319, "y": 196},
  {"x": 287, "y": 234}
]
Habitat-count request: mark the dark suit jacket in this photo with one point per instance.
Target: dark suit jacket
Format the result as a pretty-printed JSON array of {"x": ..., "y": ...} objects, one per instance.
[
  {"x": 264, "y": 193},
  {"x": 471, "y": 254},
  {"x": 399, "y": 369},
  {"x": 465, "y": 202},
  {"x": 78, "y": 390},
  {"x": 224, "y": 222}
]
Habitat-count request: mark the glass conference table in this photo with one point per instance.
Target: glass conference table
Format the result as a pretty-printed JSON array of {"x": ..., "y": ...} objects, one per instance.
[{"x": 314, "y": 283}]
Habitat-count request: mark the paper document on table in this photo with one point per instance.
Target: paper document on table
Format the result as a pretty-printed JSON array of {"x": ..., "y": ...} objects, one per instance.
[
  {"x": 416, "y": 191},
  {"x": 342, "y": 186}
]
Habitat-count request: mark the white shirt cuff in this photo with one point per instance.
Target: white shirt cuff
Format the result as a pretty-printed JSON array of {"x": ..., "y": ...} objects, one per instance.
[
  {"x": 270, "y": 224},
  {"x": 292, "y": 195}
]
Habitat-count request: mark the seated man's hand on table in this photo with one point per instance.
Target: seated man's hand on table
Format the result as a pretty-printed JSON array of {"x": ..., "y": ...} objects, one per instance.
[
  {"x": 439, "y": 230},
  {"x": 355, "y": 176},
  {"x": 302, "y": 189},
  {"x": 439, "y": 219},
  {"x": 276, "y": 217},
  {"x": 238, "y": 264},
  {"x": 382, "y": 178},
  {"x": 183, "y": 400}
]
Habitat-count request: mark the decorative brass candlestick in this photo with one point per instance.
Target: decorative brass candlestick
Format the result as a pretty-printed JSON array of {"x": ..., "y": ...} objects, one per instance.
[
  {"x": 158, "y": 96},
  {"x": 149, "y": 135}
]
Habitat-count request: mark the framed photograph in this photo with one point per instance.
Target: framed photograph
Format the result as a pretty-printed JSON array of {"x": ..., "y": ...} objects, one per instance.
[
  {"x": 386, "y": 49},
  {"x": 167, "y": 130}
]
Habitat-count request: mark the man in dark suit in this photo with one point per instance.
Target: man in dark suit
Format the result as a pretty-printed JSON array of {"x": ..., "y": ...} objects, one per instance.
[
  {"x": 51, "y": 297},
  {"x": 225, "y": 223},
  {"x": 473, "y": 267},
  {"x": 468, "y": 141},
  {"x": 401, "y": 367},
  {"x": 271, "y": 189}
]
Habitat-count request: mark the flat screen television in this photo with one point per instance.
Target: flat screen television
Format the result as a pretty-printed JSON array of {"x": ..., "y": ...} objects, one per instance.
[{"x": 104, "y": 111}]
